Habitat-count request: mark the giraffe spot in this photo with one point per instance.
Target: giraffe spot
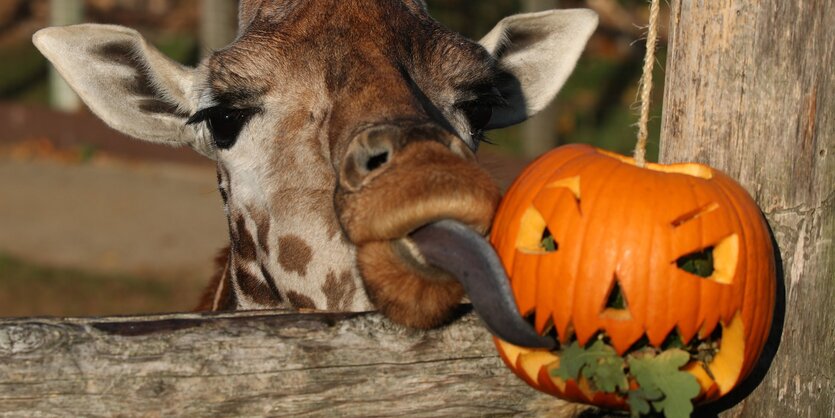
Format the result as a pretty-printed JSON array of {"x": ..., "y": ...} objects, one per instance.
[
  {"x": 243, "y": 244},
  {"x": 339, "y": 292},
  {"x": 223, "y": 184},
  {"x": 221, "y": 187},
  {"x": 300, "y": 301},
  {"x": 294, "y": 254},
  {"x": 255, "y": 289},
  {"x": 271, "y": 283},
  {"x": 263, "y": 224}
]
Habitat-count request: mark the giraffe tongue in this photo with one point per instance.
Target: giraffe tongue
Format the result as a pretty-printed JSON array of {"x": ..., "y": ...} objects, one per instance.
[{"x": 453, "y": 247}]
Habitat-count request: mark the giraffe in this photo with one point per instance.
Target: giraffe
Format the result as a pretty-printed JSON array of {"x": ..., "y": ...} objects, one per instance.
[{"x": 344, "y": 133}]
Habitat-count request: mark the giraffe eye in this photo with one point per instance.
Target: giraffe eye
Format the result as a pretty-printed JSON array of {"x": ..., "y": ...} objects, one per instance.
[
  {"x": 478, "y": 114},
  {"x": 224, "y": 123}
]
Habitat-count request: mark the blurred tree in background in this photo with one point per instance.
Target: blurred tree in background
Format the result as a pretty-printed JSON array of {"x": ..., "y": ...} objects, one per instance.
[{"x": 594, "y": 107}]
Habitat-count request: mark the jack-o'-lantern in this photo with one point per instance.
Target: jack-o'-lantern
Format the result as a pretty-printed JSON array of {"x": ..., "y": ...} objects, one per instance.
[{"x": 598, "y": 248}]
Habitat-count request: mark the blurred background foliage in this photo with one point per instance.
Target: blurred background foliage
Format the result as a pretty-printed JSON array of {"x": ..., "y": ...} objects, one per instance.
[{"x": 595, "y": 107}]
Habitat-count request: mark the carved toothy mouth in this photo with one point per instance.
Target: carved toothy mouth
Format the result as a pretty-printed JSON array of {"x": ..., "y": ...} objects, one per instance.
[{"x": 716, "y": 363}]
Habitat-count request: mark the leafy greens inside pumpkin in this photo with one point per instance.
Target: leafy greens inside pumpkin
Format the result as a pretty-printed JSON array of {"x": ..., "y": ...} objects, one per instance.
[
  {"x": 698, "y": 263},
  {"x": 548, "y": 243},
  {"x": 662, "y": 386}
]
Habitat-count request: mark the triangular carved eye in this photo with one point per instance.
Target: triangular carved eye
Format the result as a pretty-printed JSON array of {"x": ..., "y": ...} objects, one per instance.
[
  {"x": 717, "y": 263},
  {"x": 699, "y": 263},
  {"x": 616, "y": 306},
  {"x": 570, "y": 183},
  {"x": 534, "y": 235},
  {"x": 548, "y": 243}
]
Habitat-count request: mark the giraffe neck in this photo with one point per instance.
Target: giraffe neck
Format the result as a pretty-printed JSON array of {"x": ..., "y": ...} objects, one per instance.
[{"x": 289, "y": 252}]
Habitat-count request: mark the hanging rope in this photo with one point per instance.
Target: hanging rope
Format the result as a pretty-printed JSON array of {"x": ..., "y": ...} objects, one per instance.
[{"x": 646, "y": 86}]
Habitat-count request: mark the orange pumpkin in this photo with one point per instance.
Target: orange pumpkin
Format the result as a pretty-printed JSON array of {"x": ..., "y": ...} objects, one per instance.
[{"x": 620, "y": 228}]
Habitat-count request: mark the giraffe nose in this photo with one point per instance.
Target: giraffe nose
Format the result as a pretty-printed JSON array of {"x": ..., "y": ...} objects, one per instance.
[
  {"x": 369, "y": 152},
  {"x": 375, "y": 148}
]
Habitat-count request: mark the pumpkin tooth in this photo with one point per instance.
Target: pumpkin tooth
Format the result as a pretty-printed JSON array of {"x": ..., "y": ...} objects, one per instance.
[{"x": 727, "y": 364}]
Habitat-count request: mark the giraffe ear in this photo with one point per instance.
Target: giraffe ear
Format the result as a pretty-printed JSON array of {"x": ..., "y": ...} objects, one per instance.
[
  {"x": 247, "y": 10},
  {"x": 129, "y": 84},
  {"x": 537, "y": 52}
]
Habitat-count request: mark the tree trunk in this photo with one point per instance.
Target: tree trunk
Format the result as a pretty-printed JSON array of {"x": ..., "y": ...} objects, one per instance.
[
  {"x": 258, "y": 364},
  {"x": 62, "y": 13},
  {"x": 750, "y": 90}
]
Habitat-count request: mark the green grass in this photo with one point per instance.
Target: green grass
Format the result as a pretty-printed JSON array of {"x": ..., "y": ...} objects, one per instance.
[{"x": 32, "y": 290}]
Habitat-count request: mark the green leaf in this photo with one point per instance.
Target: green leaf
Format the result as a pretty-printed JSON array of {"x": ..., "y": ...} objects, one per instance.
[
  {"x": 549, "y": 244},
  {"x": 661, "y": 374},
  {"x": 572, "y": 360},
  {"x": 638, "y": 404},
  {"x": 599, "y": 364}
]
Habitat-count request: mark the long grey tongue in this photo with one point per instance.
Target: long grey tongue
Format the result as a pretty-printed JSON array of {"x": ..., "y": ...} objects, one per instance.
[{"x": 457, "y": 249}]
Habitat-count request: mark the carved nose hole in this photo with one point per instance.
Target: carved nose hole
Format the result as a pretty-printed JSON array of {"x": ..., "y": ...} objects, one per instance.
[
  {"x": 377, "y": 160},
  {"x": 616, "y": 299},
  {"x": 616, "y": 306}
]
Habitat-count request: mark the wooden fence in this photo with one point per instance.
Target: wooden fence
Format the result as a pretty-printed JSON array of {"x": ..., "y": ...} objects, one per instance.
[{"x": 257, "y": 364}]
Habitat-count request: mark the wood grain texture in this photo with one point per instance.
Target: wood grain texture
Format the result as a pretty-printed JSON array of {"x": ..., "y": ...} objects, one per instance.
[
  {"x": 751, "y": 91},
  {"x": 253, "y": 364}
]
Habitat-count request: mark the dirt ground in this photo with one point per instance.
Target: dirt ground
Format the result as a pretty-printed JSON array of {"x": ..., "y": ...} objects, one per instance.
[
  {"x": 80, "y": 203},
  {"x": 144, "y": 219}
]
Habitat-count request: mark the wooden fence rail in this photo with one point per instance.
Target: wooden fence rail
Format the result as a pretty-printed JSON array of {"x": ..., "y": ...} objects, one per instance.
[{"x": 257, "y": 364}]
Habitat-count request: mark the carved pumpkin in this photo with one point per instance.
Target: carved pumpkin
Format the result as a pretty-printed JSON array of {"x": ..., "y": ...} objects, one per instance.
[{"x": 621, "y": 236}]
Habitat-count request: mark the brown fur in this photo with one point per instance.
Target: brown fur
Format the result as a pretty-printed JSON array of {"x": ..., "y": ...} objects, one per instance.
[
  {"x": 401, "y": 293},
  {"x": 300, "y": 301},
  {"x": 424, "y": 183},
  {"x": 226, "y": 299},
  {"x": 254, "y": 288},
  {"x": 294, "y": 254},
  {"x": 339, "y": 291}
]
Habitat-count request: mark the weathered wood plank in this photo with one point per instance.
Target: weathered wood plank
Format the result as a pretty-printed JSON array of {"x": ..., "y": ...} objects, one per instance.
[
  {"x": 253, "y": 364},
  {"x": 750, "y": 90}
]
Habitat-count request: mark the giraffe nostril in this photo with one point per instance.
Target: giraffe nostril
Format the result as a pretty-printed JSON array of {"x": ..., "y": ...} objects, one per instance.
[{"x": 377, "y": 160}]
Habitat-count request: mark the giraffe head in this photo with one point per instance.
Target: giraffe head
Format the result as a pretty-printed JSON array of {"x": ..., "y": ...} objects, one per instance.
[{"x": 339, "y": 129}]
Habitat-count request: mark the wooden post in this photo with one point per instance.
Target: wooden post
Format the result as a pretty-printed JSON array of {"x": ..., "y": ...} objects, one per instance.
[
  {"x": 750, "y": 90},
  {"x": 62, "y": 13},
  {"x": 539, "y": 133},
  {"x": 218, "y": 24}
]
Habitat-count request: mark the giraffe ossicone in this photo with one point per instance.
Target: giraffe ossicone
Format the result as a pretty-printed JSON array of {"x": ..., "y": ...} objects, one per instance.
[{"x": 339, "y": 129}]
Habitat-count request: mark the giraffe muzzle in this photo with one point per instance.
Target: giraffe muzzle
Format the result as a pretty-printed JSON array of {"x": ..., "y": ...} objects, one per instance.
[{"x": 418, "y": 222}]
